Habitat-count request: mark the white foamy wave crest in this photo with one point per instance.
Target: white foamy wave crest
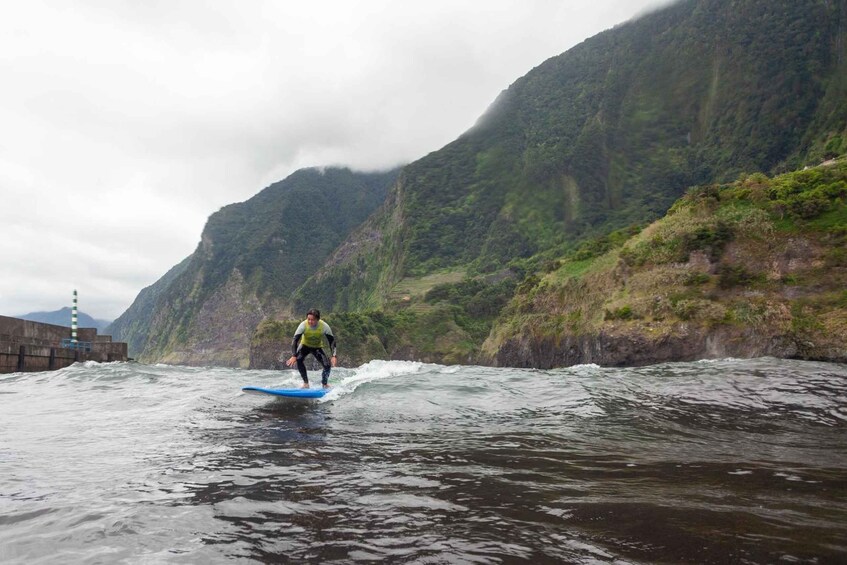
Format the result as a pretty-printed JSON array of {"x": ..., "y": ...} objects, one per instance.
[
  {"x": 585, "y": 369},
  {"x": 717, "y": 360},
  {"x": 373, "y": 371},
  {"x": 381, "y": 369},
  {"x": 584, "y": 366}
]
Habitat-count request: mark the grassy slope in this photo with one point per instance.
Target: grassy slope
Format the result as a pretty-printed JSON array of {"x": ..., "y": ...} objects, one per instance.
[{"x": 764, "y": 256}]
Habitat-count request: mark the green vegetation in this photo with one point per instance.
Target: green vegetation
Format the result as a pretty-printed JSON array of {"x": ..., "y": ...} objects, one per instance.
[
  {"x": 696, "y": 278},
  {"x": 433, "y": 335},
  {"x": 730, "y": 276},
  {"x": 542, "y": 168},
  {"x": 412, "y": 287},
  {"x": 622, "y": 313},
  {"x": 265, "y": 237},
  {"x": 439, "y": 317},
  {"x": 598, "y": 246},
  {"x": 721, "y": 258},
  {"x": 710, "y": 239}
]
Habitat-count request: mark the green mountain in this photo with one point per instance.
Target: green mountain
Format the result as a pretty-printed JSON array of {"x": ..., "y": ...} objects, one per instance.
[
  {"x": 564, "y": 163},
  {"x": 606, "y": 135},
  {"x": 251, "y": 257}
]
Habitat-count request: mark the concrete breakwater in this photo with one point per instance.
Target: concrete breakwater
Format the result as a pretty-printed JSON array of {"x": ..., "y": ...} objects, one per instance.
[{"x": 27, "y": 346}]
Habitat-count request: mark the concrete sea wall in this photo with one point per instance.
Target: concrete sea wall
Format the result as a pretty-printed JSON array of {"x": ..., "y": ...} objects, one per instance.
[{"x": 27, "y": 346}]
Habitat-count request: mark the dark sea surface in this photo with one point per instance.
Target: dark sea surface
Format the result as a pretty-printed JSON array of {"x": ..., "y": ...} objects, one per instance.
[{"x": 724, "y": 461}]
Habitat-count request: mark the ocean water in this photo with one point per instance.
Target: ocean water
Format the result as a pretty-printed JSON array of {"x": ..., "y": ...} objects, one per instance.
[{"x": 723, "y": 461}]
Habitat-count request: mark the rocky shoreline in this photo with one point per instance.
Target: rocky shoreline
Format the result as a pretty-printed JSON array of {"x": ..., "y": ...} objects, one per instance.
[{"x": 614, "y": 346}]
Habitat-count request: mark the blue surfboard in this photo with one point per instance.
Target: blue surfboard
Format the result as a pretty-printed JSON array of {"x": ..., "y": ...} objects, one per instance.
[{"x": 287, "y": 392}]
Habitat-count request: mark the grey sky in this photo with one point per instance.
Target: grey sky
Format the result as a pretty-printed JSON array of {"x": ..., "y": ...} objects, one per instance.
[{"x": 125, "y": 124}]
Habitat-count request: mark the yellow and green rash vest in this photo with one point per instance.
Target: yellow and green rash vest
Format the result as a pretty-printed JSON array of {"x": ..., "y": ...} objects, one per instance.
[{"x": 312, "y": 337}]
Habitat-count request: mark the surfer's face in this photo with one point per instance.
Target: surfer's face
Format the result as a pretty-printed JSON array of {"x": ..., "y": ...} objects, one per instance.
[{"x": 313, "y": 321}]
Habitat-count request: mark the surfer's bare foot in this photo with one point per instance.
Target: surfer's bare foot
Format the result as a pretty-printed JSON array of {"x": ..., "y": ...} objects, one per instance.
[
  {"x": 326, "y": 386},
  {"x": 305, "y": 385}
]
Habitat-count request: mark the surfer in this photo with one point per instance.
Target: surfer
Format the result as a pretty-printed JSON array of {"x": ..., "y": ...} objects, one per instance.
[{"x": 309, "y": 339}]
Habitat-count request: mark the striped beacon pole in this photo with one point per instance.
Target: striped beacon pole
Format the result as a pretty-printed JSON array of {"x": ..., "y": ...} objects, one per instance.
[{"x": 74, "y": 319}]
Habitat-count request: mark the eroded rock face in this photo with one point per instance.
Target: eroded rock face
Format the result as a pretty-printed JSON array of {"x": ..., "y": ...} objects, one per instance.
[
  {"x": 268, "y": 355},
  {"x": 682, "y": 343},
  {"x": 220, "y": 333}
]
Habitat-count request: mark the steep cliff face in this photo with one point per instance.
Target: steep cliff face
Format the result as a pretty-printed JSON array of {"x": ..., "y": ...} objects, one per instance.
[
  {"x": 619, "y": 346},
  {"x": 250, "y": 259},
  {"x": 220, "y": 332}
]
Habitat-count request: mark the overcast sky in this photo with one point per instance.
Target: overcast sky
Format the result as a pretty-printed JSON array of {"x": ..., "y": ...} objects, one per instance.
[{"x": 124, "y": 124}]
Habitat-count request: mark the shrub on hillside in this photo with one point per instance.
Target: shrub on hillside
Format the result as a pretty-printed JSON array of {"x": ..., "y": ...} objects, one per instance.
[
  {"x": 730, "y": 276},
  {"x": 622, "y": 313},
  {"x": 711, "y": 239}
]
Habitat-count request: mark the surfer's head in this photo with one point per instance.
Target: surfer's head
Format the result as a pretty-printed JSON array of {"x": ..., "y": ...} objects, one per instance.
[{"x": 312, "y": 316}]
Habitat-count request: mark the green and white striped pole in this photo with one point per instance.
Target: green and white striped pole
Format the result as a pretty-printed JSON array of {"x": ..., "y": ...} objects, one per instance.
[{"x": 74, "y": 319}]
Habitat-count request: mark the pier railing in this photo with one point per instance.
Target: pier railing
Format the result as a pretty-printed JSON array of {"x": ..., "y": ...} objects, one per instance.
[{"x": 74, "y": 344}]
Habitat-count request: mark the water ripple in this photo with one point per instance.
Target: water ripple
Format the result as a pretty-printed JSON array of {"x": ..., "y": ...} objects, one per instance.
[{"x": 713, "y": 461}]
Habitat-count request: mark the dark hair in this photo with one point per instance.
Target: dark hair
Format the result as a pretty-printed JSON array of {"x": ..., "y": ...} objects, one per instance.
[{"x": 314, "y": 312}]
